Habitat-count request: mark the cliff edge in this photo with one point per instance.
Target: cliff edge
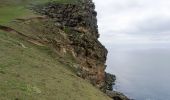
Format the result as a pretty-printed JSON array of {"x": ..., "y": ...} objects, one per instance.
[
  {"x": 79, "y": 23},
  {"x": 69, "y": 30}
]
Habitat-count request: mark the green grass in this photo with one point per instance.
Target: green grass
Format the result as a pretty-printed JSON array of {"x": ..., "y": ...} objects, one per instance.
[
  {"x": 10, "y": 13},
  {"x": 26, "y": 2},
  {"x": 33, "y": 73},
  {"x": 12, "y": 9},
  {"x": 59, "y": 1}
]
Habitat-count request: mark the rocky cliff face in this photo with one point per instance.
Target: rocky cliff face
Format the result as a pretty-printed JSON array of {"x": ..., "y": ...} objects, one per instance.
[
  {"x": 71, "y": 31},
  {"x": 79, "y": 23}
]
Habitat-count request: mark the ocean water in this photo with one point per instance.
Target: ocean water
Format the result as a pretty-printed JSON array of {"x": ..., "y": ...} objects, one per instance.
[{"x": 142, "y": 70}]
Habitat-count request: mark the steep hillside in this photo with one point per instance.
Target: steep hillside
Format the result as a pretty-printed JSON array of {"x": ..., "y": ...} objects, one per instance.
[
  {"x": 31, "y": 72},
  {"x": 50, "y": 50}
]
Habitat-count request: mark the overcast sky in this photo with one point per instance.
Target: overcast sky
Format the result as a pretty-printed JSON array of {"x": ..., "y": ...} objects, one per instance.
[{"x": 134, "y": 21}]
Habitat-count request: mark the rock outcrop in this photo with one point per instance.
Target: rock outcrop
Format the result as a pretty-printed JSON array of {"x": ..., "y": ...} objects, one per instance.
[
  {"x": 72, "y": 29},
  {"x": 110, "y": 81},
  {"x": 117, "y": 95},
  {"x": 80, "y": 24}
]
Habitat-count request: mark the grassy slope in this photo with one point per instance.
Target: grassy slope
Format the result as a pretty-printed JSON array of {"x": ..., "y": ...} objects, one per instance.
[
  {"x": 11, "y": 9},
  {"x": 29, "y": 72}
]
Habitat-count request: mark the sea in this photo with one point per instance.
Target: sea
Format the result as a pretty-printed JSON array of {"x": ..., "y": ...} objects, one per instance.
[{"x": 142, "y": 70}]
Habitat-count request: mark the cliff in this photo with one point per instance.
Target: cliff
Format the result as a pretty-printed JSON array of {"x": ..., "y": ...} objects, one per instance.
[
  {"x": 69, "y": 30},
  {"x": 79, "y": 23}
]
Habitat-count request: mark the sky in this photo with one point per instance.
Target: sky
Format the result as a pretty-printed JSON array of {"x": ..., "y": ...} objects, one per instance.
[{"x": 133, "y": 21}]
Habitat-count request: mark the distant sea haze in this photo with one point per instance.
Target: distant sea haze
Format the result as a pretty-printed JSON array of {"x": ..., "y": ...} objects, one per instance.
[
  {"x": 137, "y": 36},
  {"x": 142, "y": 70}
]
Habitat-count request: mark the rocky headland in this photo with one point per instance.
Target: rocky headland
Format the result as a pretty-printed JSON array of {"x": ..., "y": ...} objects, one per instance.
[
  {"x": 79, "y": 22},
  {"x": 70, "y": 30}
]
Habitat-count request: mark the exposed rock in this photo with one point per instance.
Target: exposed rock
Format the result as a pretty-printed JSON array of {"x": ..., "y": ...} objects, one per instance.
[
  {"x": 110, "y": 81},
  {"x": 72, "y": 15},
  {"x": 116, "y": 95},
  {"x": 79, "y": 23},
  {"x": 72, "y": 29}
]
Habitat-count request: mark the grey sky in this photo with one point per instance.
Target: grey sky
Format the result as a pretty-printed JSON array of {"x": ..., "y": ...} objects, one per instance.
[{"x": 134, "y": 21}]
